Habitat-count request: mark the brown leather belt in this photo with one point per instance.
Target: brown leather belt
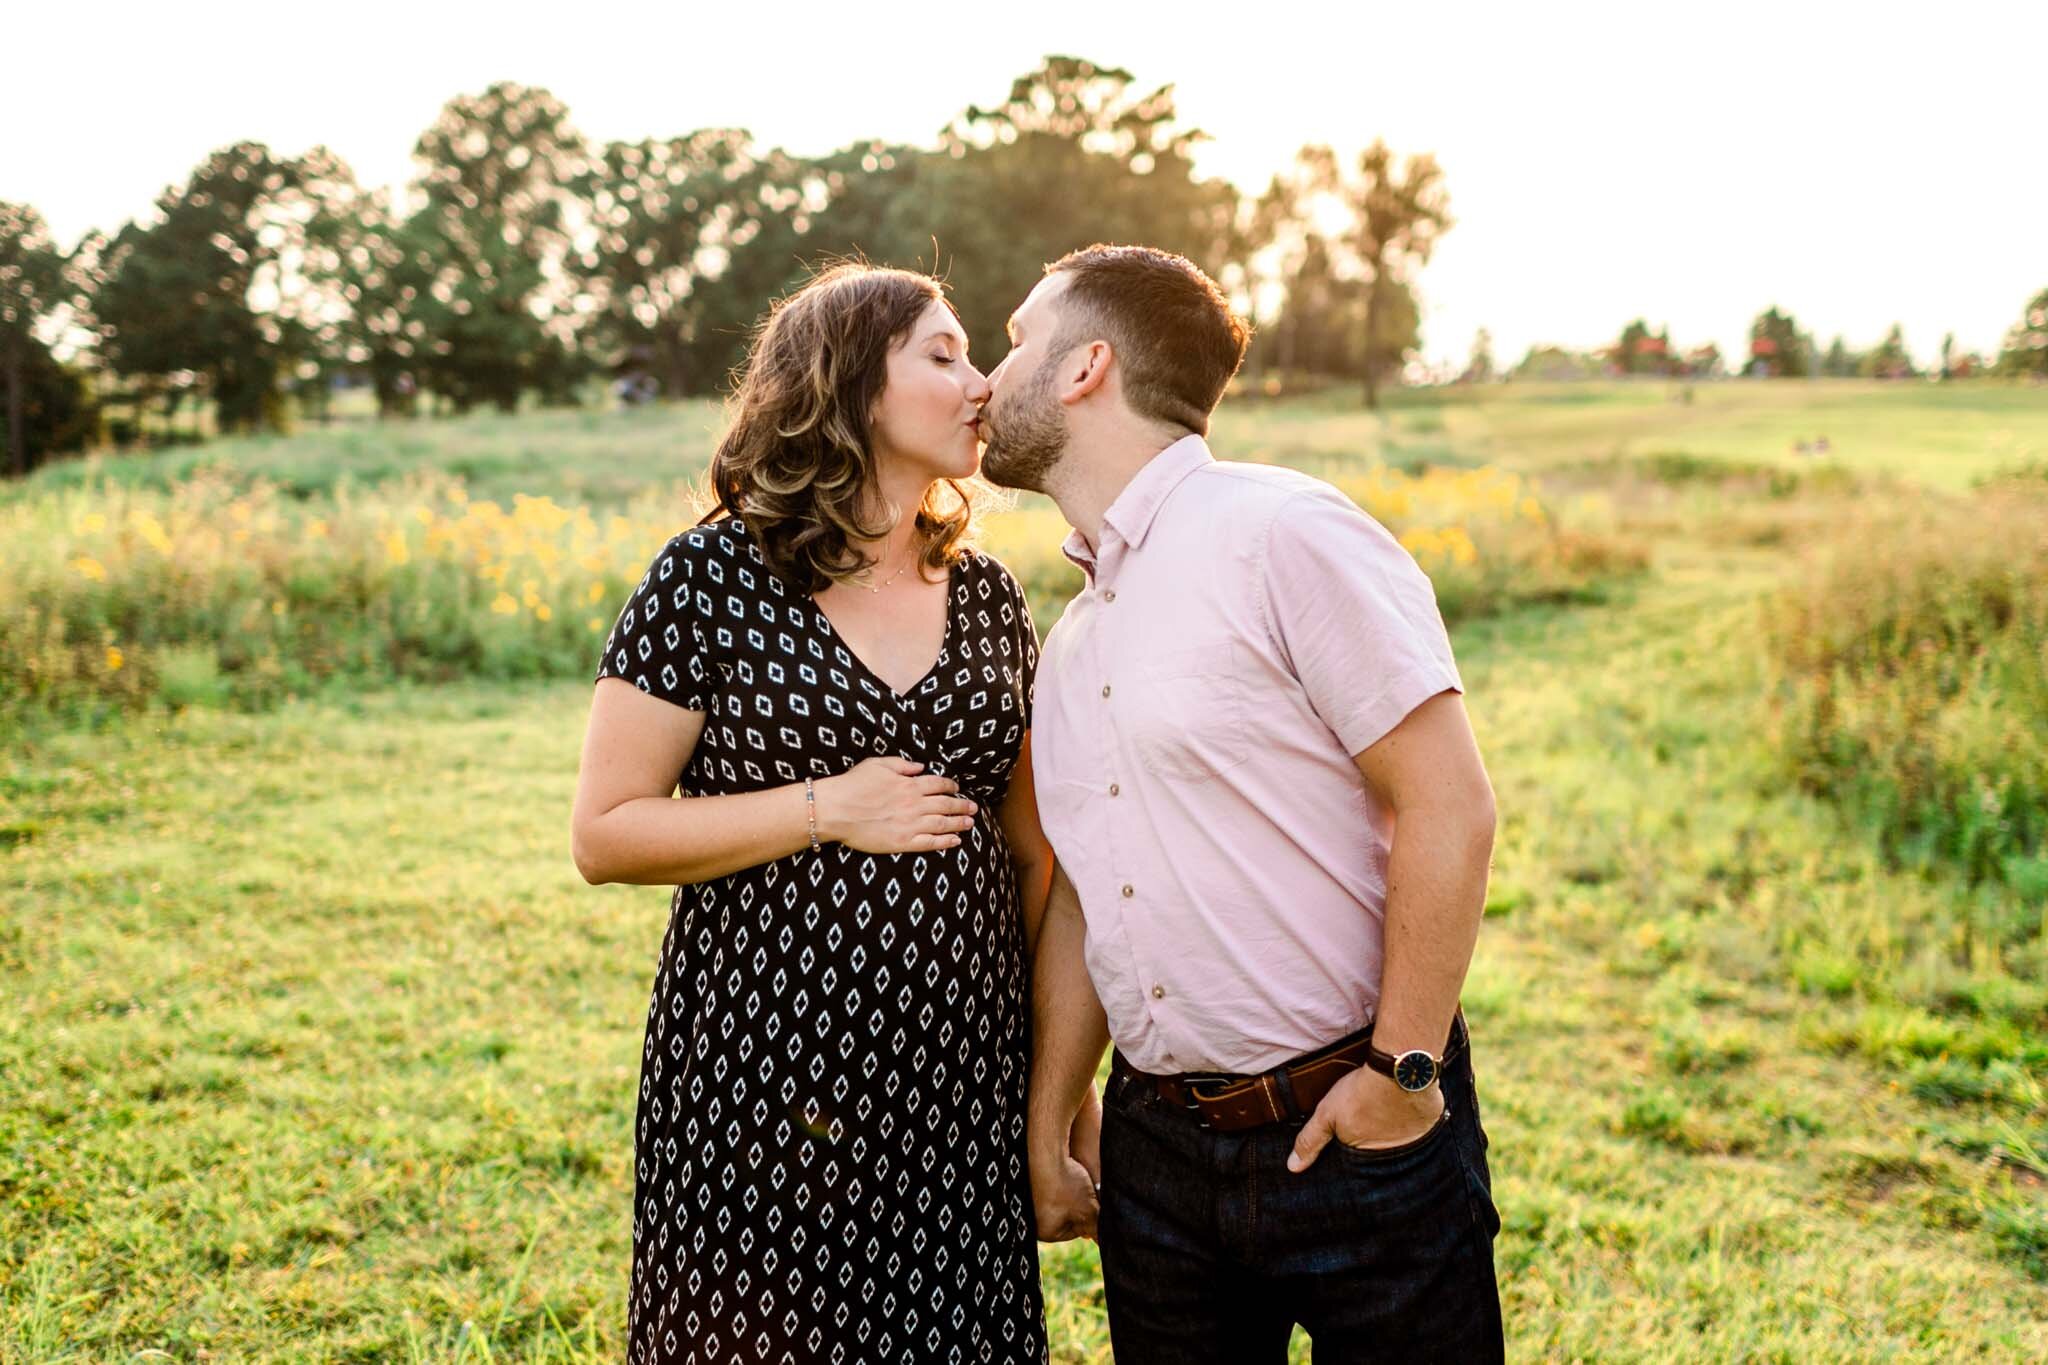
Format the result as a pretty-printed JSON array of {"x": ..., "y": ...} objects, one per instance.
[{"x": 1288, "y": 1093}]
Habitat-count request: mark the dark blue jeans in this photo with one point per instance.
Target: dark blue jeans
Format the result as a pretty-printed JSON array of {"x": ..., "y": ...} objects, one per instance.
[{"x": 1212, "y": 1249}]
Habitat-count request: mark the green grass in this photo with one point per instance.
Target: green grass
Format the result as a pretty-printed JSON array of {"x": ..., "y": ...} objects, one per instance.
[
  {"x": 1942, "y": 435},
  {"x": 314, "y": 1047}
]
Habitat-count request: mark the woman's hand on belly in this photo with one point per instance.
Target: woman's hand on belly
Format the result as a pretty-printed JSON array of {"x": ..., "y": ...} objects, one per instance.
[{"x": 889, "y": 805}]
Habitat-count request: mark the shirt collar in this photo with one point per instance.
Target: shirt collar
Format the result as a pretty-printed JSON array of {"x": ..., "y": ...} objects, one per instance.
[
  {"x": 1132, "y": 513},
  {"x": 1134, "y": 510},
  {"x": 1077, "y": 549}
]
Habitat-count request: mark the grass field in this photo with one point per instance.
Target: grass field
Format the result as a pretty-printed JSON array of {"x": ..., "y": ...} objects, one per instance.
[{"x": 313, "y": 1046}]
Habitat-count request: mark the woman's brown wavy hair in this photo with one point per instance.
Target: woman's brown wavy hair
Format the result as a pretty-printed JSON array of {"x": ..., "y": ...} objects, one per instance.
[{"x": 795, "y": 462}]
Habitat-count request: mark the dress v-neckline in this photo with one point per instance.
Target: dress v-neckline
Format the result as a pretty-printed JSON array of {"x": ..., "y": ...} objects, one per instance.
[{"x": 945, "y": 643}]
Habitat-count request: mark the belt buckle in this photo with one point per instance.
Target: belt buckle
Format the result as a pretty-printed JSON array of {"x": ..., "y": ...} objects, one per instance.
[{"x": 1195, "y": 1095}]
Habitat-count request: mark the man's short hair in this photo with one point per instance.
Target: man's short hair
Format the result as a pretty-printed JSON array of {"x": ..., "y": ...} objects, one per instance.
[{"x": 1172, "y": 329}]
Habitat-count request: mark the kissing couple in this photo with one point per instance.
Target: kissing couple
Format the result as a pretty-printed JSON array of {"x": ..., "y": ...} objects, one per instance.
[{"x": 1229, "y": 817}]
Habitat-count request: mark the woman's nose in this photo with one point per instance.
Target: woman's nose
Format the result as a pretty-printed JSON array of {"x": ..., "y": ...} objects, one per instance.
[{"x": 977, "y": 386}]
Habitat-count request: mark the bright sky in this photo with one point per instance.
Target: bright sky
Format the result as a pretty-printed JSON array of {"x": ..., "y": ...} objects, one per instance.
[{"x": 1857, "y": 164}]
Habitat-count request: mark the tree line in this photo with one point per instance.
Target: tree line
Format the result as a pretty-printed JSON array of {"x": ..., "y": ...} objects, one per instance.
[
  {"x": 523, "y": 261},
  {"x": 1778, "y": 347}
]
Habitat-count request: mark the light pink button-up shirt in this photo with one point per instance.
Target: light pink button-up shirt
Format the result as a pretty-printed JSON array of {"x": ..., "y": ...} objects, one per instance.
[{"x": 1245, "y": 630}]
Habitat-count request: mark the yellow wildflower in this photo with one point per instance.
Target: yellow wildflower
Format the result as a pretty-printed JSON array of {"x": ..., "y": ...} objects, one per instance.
[
  {"x": 153, "y": 531},
  {"x": 114, "y": 659},
  {"x": 91, "y": 568},
  {"x": 540, "y": 513},
  {"x": 505, "y": 604},
  {"x": 543, "y": 612}
]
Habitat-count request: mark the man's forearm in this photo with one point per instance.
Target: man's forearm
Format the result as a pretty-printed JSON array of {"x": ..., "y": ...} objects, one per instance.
[
  {"x": 1069, "y": 1030},
  {"x": 1436, "y": 894}
]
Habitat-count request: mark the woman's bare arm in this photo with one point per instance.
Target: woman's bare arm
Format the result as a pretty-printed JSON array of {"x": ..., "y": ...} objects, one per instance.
[
  {"x": 627, "y": 826},
  {"x": 1030, "y": 854}
]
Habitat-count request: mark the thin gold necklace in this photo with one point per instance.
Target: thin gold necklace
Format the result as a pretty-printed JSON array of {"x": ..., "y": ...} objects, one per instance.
[{"x": 892, "y": 577}]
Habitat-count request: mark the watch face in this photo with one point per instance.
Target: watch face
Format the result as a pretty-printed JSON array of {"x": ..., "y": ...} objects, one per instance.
[{"x": 1414, "y": 1070}]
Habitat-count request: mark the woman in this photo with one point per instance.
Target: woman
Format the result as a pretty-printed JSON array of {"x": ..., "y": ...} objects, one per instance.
[{"x": 829, "y": 1147}]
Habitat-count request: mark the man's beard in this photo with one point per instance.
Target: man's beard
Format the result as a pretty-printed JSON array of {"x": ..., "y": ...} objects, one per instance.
[{"x": 1029, "y": 436}]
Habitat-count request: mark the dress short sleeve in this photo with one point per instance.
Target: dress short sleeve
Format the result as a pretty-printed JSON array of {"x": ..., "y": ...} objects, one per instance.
[
  {"x": 656, "y": 643},
  {"x": 1355, "y": 615},
  {"x": 1023, "y": 632}
]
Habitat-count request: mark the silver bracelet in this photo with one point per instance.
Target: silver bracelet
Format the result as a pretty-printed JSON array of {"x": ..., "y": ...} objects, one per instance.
[{"x": 811, "y": 812}]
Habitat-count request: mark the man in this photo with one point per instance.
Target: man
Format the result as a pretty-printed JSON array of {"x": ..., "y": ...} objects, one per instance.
[{"x": 1273, "y": 829}]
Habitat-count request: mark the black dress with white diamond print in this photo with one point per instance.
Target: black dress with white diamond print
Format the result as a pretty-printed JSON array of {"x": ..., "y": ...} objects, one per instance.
[{"x": 829, "y": 1143}]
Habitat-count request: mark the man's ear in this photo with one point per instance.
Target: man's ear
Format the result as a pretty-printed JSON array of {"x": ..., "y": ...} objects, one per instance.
[{"x": 1087, "y": 367}]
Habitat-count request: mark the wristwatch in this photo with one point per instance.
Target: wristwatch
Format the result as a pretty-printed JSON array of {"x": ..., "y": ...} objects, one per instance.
[{"x": 1414, "y": 1070}]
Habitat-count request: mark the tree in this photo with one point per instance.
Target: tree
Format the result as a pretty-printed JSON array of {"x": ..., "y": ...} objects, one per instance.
[
  {"x": 1390, "y": 321},
  {"x": 1776, "y": 345},
  {"x": 997, "y": 200},
  {"x": 1555, "y": 363},
  {"x": 1704, "y": 362},
  {"x": 496, "y": 177},
  {"x": 209, "y": 288},
  {"x": 377, "y": 265},
  {"x": 1389, "y": 222},
  {"x": 1839, "y": 362},
  {"x": 1296, "y": 268},
  {"x": 1397, "y": 217},
  {"x": 1641, "y": 351},
  {"x": 673, "y": 217},
  {"x": 33, "y": 285},
  {"x": 1890, "y": 359},
  {"x": 1479, "y": 368},
  {"x": 58, "y": 413},
  {"x": 1948, "y": 356},
  {"x": 1311, "y": 333},
  {"x": 2025, "y": 350}
]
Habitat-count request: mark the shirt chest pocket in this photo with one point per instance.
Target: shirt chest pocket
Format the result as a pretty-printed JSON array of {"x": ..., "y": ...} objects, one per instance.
[{"x": 1190, "y": 713}]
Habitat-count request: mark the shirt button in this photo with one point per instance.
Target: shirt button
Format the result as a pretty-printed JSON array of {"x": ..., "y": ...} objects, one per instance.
[
  {"x": 1109, "y": 596},
  {"x": 1105, "y": 689},
  {"x": 1159, "y": 992},
  {"x": 1114, "y": 789},
  {"x": 1129, "y": 891}
]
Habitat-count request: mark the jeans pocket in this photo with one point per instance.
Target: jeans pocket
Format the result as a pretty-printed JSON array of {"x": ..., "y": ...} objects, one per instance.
[
  {"x": 1483, "y": 1208},
  {"x": 1389, "y": 1156}
]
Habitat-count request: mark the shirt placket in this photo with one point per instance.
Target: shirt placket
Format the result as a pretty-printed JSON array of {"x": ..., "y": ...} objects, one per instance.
[{"x": 1127, "y": 887}]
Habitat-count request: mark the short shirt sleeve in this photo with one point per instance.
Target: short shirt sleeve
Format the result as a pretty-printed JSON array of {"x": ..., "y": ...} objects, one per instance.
[
  {"x": 656, "y": 643},
  {"x": 1356, "y": 617}
]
